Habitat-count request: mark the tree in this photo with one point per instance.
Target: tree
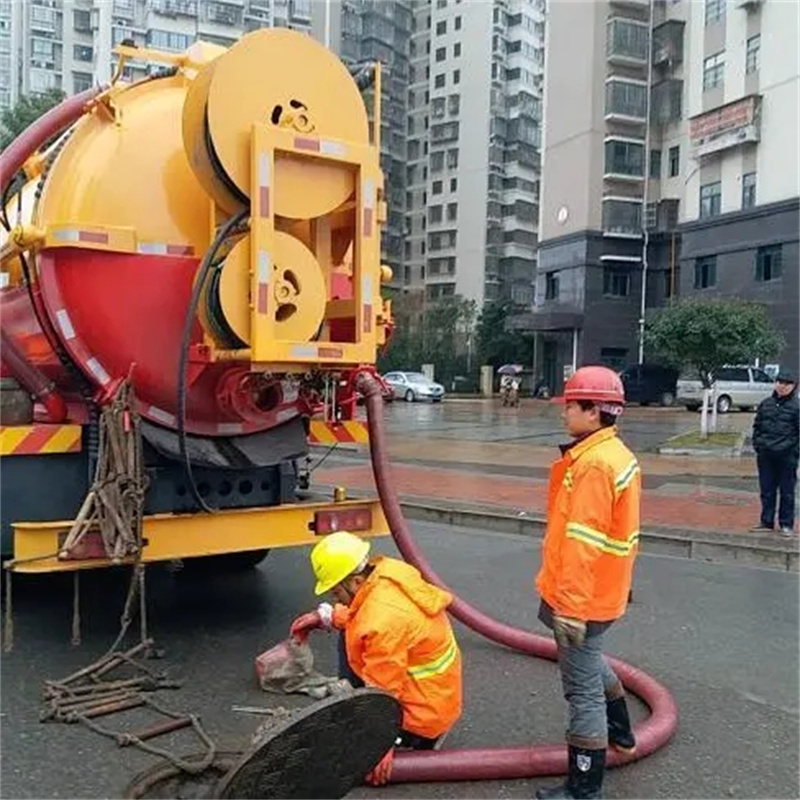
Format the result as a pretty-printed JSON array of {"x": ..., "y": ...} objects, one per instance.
[
  {"x": 27, "y": 110},
  {"x": 708, "y": 334},
  {"x": 496, "y": 344}
]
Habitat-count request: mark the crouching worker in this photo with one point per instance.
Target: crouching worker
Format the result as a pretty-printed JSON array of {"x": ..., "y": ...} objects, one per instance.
[{"x": 396, "y": 637}]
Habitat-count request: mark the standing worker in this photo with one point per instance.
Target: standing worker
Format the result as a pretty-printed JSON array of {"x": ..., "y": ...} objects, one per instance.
[
  {"x": 776, "y": 440},
  {"x": 397, "y": 637},
  {"x": 588, "y": 555}
]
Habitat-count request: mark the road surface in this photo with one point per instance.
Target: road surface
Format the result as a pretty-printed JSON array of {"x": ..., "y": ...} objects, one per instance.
[{"x": 723, "y": 638}]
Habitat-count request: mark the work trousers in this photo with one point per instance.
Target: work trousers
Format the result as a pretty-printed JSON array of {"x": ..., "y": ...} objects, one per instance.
[
  {"x": 588, "y": 683},
  {"x": 405, "y": 739},
  {"x": 777, "y": 473}
]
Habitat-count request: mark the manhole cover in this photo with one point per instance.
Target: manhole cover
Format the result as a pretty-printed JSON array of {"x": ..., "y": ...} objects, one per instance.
[{"x": 322, "y": 752}]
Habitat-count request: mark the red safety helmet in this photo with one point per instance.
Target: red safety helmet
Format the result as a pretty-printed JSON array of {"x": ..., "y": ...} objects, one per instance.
[{"x": 599, "y": 385}]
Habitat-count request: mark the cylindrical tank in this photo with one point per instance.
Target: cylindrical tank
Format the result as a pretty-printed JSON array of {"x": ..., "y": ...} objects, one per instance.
[{"x": 131, "y": 220}]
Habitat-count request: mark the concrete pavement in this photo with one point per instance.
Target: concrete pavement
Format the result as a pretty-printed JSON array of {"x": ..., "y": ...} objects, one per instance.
[{"x": 723, "y": 638}]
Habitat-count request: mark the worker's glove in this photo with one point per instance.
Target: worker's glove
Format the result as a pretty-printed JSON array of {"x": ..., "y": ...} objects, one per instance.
[
  {"x": 383, "y": 770},
  {"x": 569, "y": 632},
  {"x": 322, "y": 618}
]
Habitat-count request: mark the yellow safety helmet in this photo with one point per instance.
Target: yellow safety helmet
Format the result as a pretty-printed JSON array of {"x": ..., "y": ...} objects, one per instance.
[{"x": 338, "y": 555}]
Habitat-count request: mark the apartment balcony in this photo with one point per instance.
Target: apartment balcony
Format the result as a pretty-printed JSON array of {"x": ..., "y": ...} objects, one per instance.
[
  {"x": 634, "y": 5},
  {"x": 175, "y": 8},
  {"x": 626, "y": 101},
  {"x": 668, "y": 43},
  {"x": 662, "y": 215},
  {"x": 622, "y": 217},
  {"x": 666, "y": 104},
  {"x": 624, "y": 159},
  {"x": 627, "y": 42},
  {"x": 728, "y": 126}
]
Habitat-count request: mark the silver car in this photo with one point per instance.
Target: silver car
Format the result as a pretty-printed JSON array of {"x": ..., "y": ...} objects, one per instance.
[
  {"x": 413, "y": 386},
  {"x": 736, "y": 387}
]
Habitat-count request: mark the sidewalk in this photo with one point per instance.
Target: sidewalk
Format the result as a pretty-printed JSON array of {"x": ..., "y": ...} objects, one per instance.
[{"x": 673, "y": 505}]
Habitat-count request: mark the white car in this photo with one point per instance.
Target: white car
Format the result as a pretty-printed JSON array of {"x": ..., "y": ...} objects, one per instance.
[
  {"x": 412, "y": 386},
  {"x": 739, "y": 387}
]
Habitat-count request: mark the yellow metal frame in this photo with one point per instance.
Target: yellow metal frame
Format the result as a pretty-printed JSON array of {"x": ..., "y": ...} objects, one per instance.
[
  {"x": 177, "y": 536},
  {"x": 266, "y": 349}
]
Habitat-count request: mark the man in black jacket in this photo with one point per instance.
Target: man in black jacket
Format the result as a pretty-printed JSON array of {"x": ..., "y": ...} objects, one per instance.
[{"x": 776, "y": 440}]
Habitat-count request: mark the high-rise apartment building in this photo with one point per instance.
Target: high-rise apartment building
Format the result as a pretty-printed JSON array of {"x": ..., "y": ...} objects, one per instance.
[
  {"x": 66, "y": 44},
  {"x": 361, "y": 31},
  {"x": 474, "y": 113},
  {"x": 670, "y": 169}
]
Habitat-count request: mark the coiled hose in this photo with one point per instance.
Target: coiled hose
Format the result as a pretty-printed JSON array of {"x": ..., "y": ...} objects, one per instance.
[{"x": 498, "y": 763}]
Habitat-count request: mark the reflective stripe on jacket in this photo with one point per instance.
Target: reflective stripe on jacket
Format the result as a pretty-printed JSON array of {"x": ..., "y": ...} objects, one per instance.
[
  {"x": 592, "y": 533},
  {"x": 398, "y": 638}
]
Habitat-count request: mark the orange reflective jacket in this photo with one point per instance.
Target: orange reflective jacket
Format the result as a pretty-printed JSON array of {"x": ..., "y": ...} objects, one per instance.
[
  {"x": 399, "y": 639},
  {"x": 592, "y": 529}
]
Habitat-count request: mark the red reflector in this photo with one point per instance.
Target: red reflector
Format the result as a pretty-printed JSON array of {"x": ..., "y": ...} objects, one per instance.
[
  {"x": 90, "y": 546},
  {"x": 348, "y": 519}
]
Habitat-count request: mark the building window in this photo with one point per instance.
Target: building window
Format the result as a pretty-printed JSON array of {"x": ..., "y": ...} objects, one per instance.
[
  {"x": 626, "y": 98},
  {"x": 437, "y": 187},
  {"x": 458, "y": 23},
  {"x": 457, "y": 49},
  {"x": 454, "y": 104},
  {"x": 82, "y": 52},
  {"x": 705, "y": 272},
  {"x": 624, "y": 158},
  {"x": 551, "y": 286},
  {"x": 715, "y": 10},
  {"x": 675, "y": 161},
  {"x": 441, "y": 28},
  {"x": 441, "y": 3},
  {"x": 441, "y": 53},
  {"x": 438, "y": 82},
  {"x": 710, "y": 199},
  {"x": 452, "y": 212},
  {"x": 655, "y": 164},
  {"x": 748, "y": 190},
  {"x": 456, "y": 76},
  {"x": 82, "y": 21},
  {"x": 435, "y": 214},
  {"x": 167, "y": 40},
  {"x": 81, "y": 81},
  {"x": 713, "y": 71},
  {"x": 769, "y": 263},
  {"x": 753, "y": 50},
  {"x": 616, "y": 282},
  {"x": 453, "y": 184}
]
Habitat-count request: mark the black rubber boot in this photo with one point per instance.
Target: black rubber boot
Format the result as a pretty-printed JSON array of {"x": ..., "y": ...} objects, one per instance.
[
  {"x": 584, "y": 778},
  {"x": 620, "y": 733}
]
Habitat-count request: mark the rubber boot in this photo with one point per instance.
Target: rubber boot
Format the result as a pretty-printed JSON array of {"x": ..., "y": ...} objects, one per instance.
[
  {"x": 584, "y": 776},
  {"x": 620, "y": 733}
]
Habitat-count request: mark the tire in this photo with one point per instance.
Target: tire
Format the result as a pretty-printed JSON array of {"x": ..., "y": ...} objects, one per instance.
[
  {"x": 667, "y": 399},
  {"x": 723, "y": 404},
  {"x": 410, "y": 397}
]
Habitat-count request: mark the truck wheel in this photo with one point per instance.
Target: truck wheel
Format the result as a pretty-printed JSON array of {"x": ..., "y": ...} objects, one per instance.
[
  {"x": 667, "y": 399},
  {"x": 723, "y": 404}
]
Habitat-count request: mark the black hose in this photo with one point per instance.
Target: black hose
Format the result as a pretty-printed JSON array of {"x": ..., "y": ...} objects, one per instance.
[{"x": 202, "y": 274}]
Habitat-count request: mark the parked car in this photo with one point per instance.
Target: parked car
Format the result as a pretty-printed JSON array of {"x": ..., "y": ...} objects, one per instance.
[
  {"x": 650, "y": 383},
  {"x": 413, "y": 386},
  {"x": 740, "y": 387}
]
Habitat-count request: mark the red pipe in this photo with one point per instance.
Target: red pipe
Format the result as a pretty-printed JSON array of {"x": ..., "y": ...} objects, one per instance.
[
  {"x": 509, "y": 762},
  {"x": 33, "y": 379},
  {"x": 38, "y": 133}
]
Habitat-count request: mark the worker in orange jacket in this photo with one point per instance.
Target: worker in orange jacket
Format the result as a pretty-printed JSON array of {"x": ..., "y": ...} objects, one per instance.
[
  {"x": 397, "y": 637},
  {"x": 584, "y": 582}
]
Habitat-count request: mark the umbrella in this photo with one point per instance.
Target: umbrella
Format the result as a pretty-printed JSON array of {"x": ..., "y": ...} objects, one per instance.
[{"x": 510, "y": 369}]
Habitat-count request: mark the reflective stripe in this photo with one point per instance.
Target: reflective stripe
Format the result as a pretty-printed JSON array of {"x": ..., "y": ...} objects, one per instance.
[
  {"x": 623, "y": 480},
  {"x": 438, "y": 665},
  {"x": 600, "y": 540}
]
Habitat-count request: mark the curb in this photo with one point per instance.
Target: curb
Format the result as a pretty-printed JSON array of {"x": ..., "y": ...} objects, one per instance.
[
  {"x": 734, "y": 451},
  {"x": 710, "y": 546}
]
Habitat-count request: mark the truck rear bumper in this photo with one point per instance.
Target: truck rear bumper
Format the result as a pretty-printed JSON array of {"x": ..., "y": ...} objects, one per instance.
[{"x": 169, "y": 537}]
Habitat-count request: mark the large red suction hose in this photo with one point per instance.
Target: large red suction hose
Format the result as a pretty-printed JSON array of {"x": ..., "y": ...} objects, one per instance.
[{"x": 506, "y": 763}]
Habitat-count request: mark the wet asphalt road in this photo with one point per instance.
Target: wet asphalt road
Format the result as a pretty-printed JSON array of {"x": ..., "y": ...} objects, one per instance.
[
  {"x": 538, "y": 422},
  {"x": 723, "y": 638}
]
